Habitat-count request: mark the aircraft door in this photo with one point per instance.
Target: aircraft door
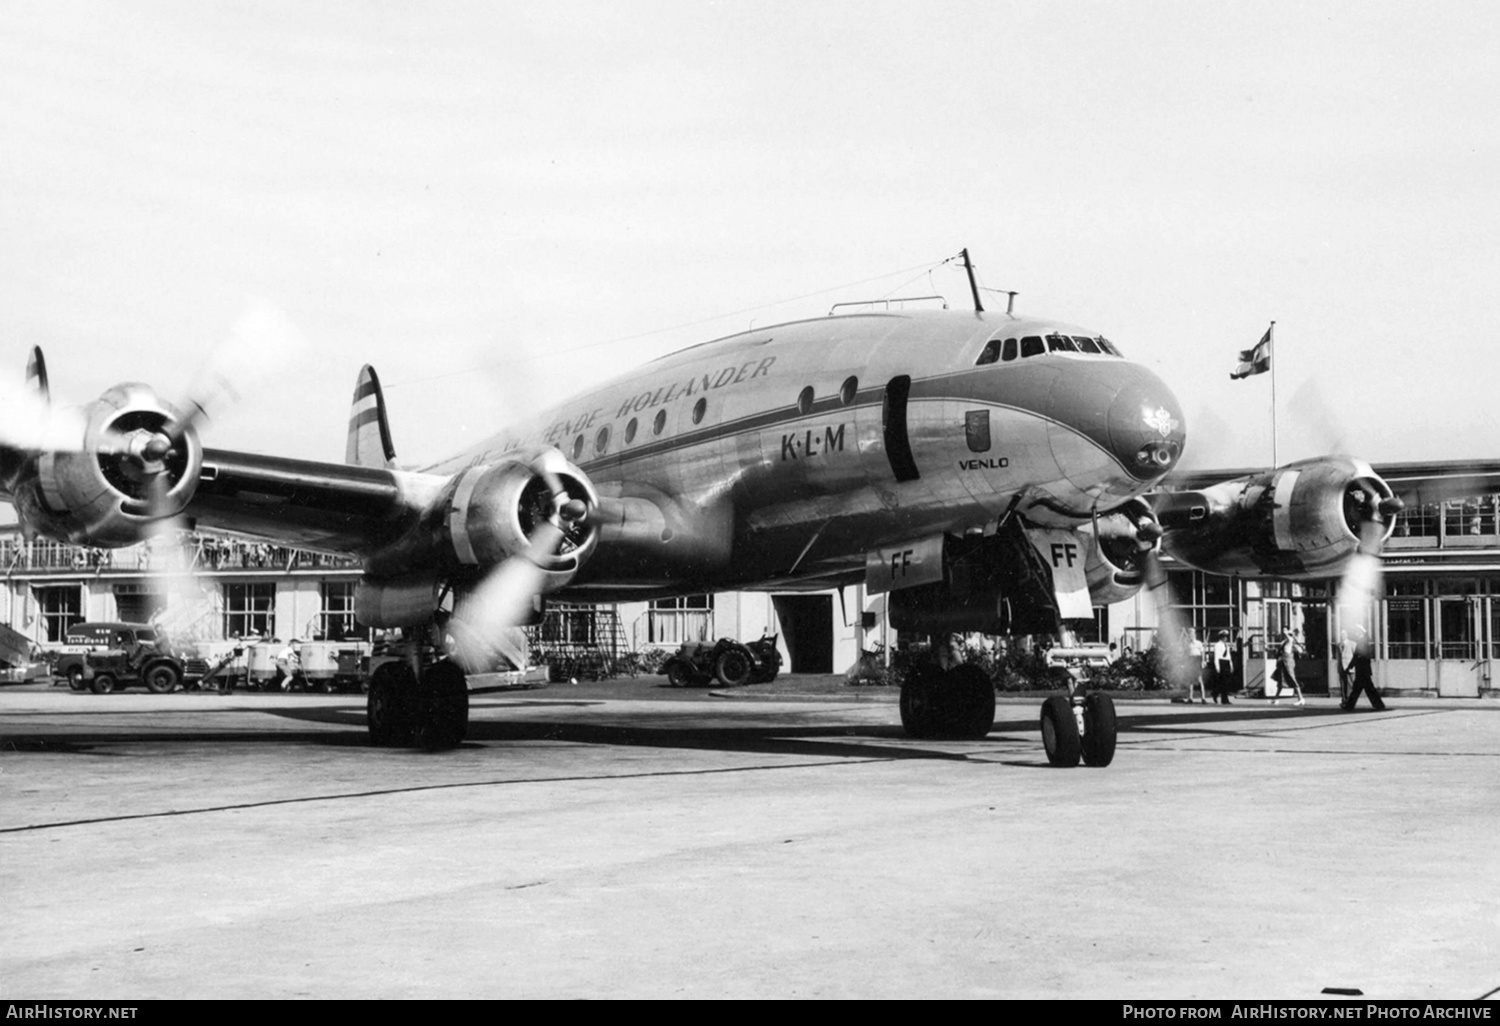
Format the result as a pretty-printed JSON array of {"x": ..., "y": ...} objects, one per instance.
[
  {"x": 893, "y": 427},
  {"x": 1457, "y": 653}
]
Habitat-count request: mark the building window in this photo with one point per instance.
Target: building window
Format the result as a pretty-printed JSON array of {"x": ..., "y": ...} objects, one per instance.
[
  {"x": 336, "y": 618},
  {"x": 672, "y": 621},
  {"x": 1209, "y": 603},
  {"x": 60, "y": 607},
  {"x": 249, "y": 609}
]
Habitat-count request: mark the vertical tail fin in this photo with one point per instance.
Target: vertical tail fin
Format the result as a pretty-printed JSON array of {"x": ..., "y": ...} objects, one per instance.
[{"x": 369, "y": 431}]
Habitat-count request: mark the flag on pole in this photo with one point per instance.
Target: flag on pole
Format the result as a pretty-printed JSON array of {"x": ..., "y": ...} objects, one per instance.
[{"x": 1254, "y": 361}]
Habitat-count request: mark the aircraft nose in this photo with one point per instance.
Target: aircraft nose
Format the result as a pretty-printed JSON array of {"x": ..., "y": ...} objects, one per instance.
[{"x": 1146, "y": 431}]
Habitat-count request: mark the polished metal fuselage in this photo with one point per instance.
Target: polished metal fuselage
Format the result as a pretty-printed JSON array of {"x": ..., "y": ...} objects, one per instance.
[{"x": 774, "y": 456}]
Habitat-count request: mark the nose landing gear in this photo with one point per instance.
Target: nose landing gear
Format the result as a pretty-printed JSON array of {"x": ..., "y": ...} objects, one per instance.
[{"x": 1079, "y": 726}]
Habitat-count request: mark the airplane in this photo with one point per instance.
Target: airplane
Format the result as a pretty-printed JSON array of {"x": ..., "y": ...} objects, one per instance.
[{"x": 987, "y": 471}]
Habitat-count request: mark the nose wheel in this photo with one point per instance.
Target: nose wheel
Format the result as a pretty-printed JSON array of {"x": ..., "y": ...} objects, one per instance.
[{"x": 1078, "y": 727}]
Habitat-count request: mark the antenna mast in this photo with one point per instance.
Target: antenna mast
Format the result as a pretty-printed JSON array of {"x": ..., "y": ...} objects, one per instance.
[{"x": 973, "y": 287}]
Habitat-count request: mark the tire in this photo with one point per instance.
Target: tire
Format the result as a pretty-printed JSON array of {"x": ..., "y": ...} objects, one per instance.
[
  {"x": 75, "y": 679},
  {"x": 968, "y": 700},
  {"x": 1099, "y": 730},
  {"x": 388, "y": 705},
  {"x": 1060, "y": 732},
  {"x": 442, "y": 714},
  {"x": 102, "y": 684},
  {"x": 161, "y": 678},
  {"x": 733, "y": 667},
  {"x": 679, "y": 676}
]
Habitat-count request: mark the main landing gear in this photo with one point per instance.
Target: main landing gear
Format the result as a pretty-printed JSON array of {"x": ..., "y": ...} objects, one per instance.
[
  {"x": 429, "y": 712},
  {"x": 1079, "y": 725},
  {"x": 959, "y": 705}
]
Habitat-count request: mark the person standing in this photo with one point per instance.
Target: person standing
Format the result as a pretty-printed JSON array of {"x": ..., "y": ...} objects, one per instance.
[
  {"x": 1287, "y": 665},
  {"x": 1222, "y": 664},
  {"x": 1362, "y": 674},
  {"x": 1196, "y": 666},
  {"x": 1346, "y": 664}
]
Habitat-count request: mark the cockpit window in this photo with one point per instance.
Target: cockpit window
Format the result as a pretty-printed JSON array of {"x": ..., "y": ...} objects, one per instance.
[
  {"x": 1086, "y": 345},
  {"x": 1060, "y": 344},
  {"x": 1032, "y": 345},
  {"x": 1109, "y": 347},
  {"x": 1008, "y": 352},
  {"x": 991, "y": 353}
]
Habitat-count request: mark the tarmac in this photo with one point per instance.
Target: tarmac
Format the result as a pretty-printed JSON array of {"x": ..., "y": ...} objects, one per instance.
[{"x": 631, "y": 841}]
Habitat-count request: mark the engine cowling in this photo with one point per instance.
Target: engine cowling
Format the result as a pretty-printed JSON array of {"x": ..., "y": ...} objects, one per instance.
[
  {"x": 1118, "y": 546},
  {"x": 138, "y": 463},
  {"x": 1303, "y": 521},
  {"x": 490, "y": 512}
]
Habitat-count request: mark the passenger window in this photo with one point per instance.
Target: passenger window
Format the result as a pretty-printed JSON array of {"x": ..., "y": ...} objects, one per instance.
[
  {"x": 630, "y": 431},
  {"x": 849, "y": 390},
  {"x": 699, "y": 408},
  {"x": 990, "y": 354},
  {"x": 578, "y": 447},
  {"x": 805, "y": 400},
  {"x": 1032, "y": 345},
  {"x": 1008, "y": 353},
  {"x": 601, "y": 441},
  {"x": 1086, "y": 344},
  {"x": 659, "y": 423}
]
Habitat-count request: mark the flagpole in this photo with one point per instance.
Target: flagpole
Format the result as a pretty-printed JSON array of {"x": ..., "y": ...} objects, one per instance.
[{"x": 1271, "y": 353}]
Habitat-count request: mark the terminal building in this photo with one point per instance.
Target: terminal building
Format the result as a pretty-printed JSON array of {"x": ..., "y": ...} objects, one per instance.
[{"x": 1436, "y": 628}]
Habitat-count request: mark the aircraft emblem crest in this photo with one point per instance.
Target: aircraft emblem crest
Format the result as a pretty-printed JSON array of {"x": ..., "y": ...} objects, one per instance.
[{"x": 1159, "y": 420}]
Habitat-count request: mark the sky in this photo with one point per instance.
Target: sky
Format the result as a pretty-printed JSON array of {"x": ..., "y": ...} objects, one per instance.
[{"x": 497, "y": 204}]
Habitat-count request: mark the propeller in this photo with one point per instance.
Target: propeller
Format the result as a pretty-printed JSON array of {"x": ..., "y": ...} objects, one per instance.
[
  {"x": 504, "y": 598},
  {"x": 1175, "y": 659},
  {"x": 1360, "y": 584}
]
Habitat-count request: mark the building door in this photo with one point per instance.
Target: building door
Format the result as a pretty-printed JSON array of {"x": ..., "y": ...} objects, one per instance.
[
  {"x": 807, "y": 631},
  {"x": 1457, "y": 649}
]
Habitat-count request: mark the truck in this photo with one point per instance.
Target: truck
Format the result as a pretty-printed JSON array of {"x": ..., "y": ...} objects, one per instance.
[{"x": 104, "y": 657}]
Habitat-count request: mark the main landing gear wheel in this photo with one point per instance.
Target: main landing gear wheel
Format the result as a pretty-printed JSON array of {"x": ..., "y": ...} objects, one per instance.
[
  {"x": 388, "y": 705},
  {"x": 1099, "y": 730},
  {"x": 1060, "y": 732},
  {"x": 442, "y": 713},
  {"x": 956, "y": 704}
]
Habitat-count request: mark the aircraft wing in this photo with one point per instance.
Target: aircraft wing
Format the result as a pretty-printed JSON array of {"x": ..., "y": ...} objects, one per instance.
[{"x": 331, "y": 507}]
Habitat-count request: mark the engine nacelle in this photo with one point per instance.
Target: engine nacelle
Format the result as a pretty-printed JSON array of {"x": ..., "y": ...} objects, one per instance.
[
  {"x": 138, "y": 463},
  {"x": 1118, "y": 546},
  {"x": 1303, "y": 521},
  {"x": 490, "y": 512}
]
